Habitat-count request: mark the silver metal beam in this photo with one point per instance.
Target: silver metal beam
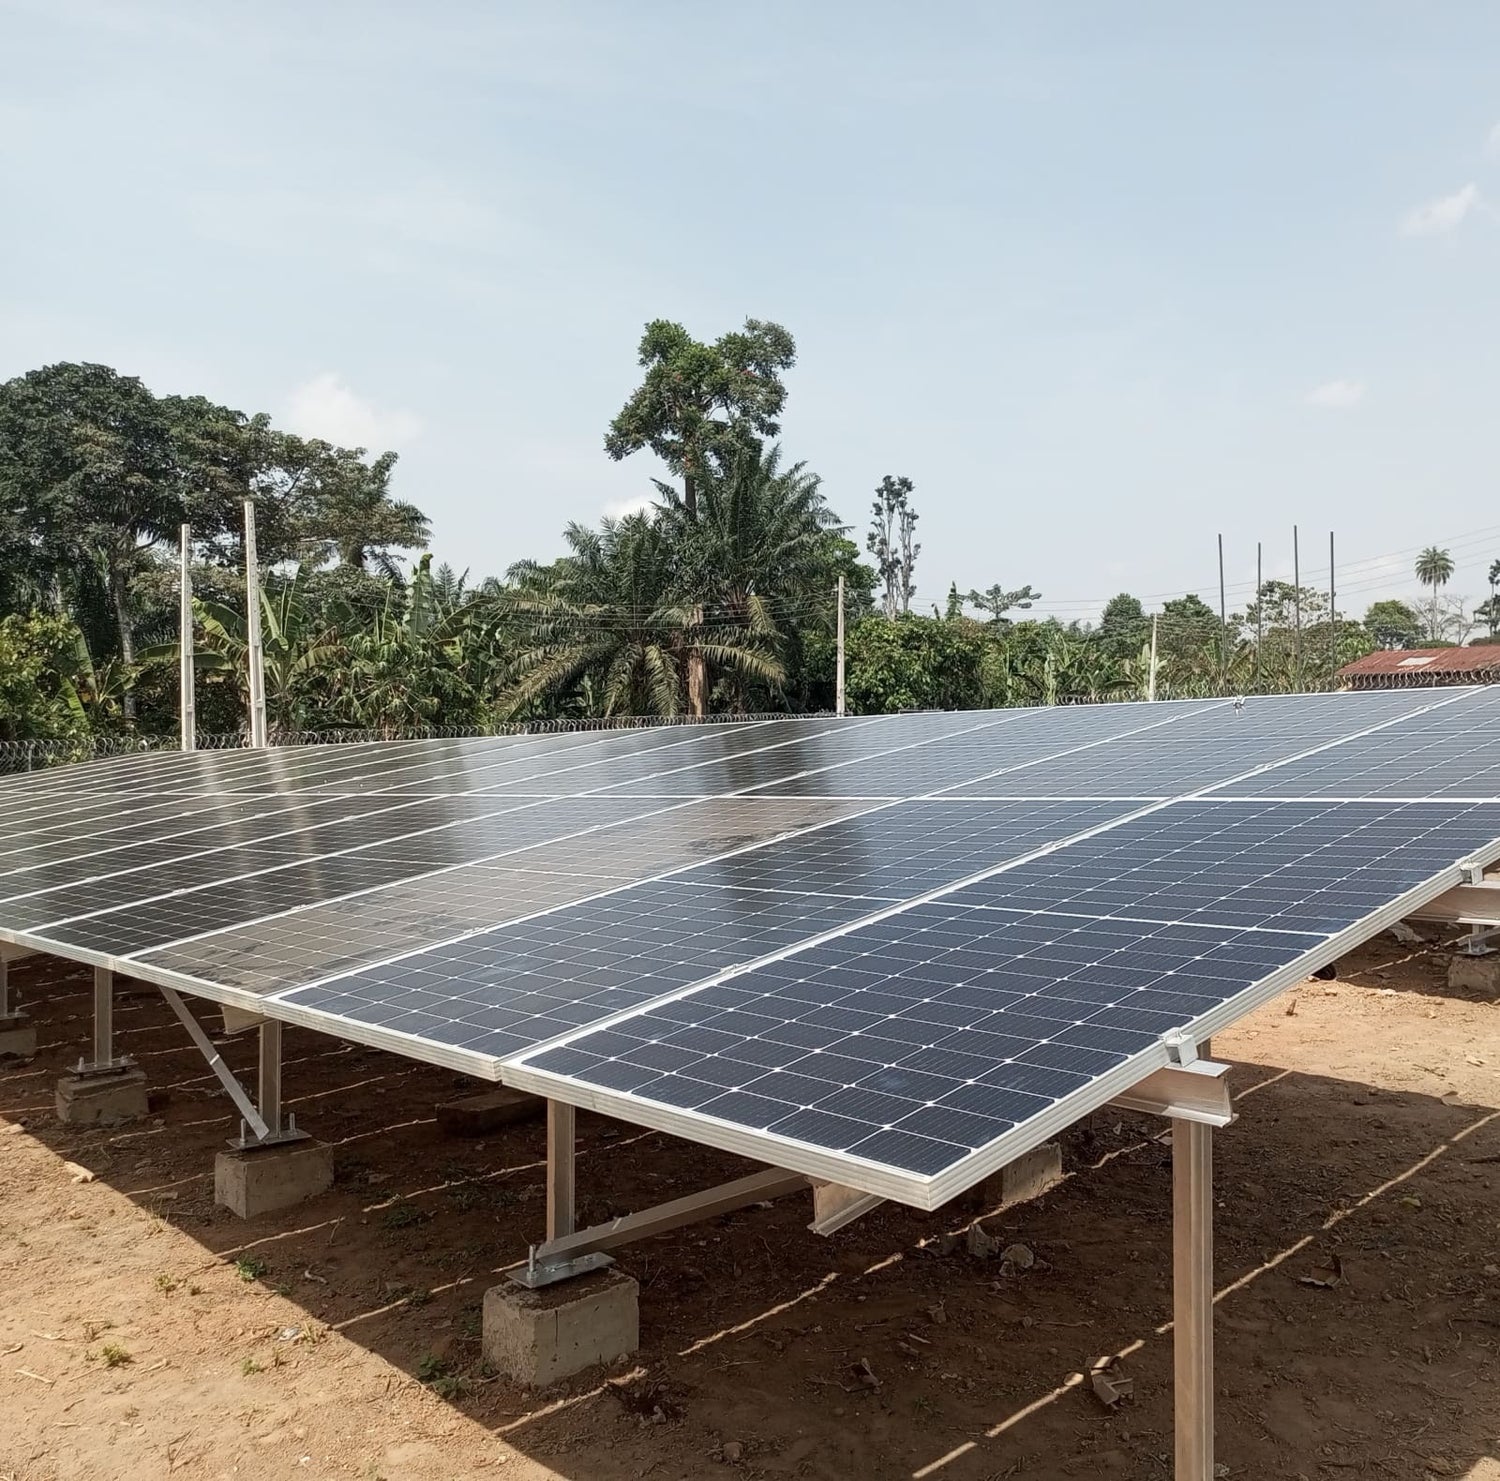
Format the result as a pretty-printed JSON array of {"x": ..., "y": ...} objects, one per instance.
[
  {"x": 1198, "y": 1091},
  {"x": 104, "y": 1018},
  {"x": 225, "y": 1075},
  {"x": 1476, "y": 903},
  {"x": 562, "y": 1252},
  {"x": 835, "y": 1205},
  {"x": 1193, "y": 1298},
  {"x": 268, "y": 1096},
  {"x": 560, "y": 1160},
  {"x": 102, "y": 1060}
]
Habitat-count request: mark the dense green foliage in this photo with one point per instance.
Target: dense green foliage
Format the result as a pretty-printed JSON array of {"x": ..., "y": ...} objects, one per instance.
[{"x": 719, "y": 599}]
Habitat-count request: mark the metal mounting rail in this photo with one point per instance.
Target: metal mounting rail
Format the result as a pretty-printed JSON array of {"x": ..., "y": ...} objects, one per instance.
[{"x": 558, "y": 1259}]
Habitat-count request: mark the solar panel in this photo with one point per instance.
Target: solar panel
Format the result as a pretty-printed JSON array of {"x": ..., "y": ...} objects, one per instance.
[
  {"x": 931, "y": 1032},
  {"x": 894, "y": 951}
]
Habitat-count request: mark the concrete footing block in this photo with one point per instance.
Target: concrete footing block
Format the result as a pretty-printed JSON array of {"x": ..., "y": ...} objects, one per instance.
[
  {"x": 538, "y": 1337},
  {"x": 1480, "y": 973},
  {"x": 101, "y": 1099},
  {"x": 475, "y": 1115},
  {"x": 17, "y": 1036},
  {"x": 1028, "y": 1177},
  {"x": 250, "y": 1181}
]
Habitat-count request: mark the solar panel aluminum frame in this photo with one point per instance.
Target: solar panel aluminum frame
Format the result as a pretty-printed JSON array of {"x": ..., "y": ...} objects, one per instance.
[{"x": 932, "y": 1192}]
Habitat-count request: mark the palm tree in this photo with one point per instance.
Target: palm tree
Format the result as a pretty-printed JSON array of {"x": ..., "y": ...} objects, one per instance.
[
  {"x": 357, "y": 522},
  {"x": 1492, "y": 612},
  {"x": 611, "y": 614},
  {"x": 1434, "y": 568},
  {"x": 756, "y": 555},
  {"x": 296, "y": 655}
]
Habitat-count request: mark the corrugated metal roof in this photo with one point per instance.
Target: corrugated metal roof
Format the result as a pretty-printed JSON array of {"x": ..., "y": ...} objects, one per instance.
[{"x": 1414, "y": 661}]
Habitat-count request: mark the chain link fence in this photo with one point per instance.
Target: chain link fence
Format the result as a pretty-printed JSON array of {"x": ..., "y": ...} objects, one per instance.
[{"x": 37, "y": 755}]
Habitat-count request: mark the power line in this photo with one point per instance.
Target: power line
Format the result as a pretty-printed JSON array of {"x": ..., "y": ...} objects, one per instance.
[{"x": 1466, "y": 542}]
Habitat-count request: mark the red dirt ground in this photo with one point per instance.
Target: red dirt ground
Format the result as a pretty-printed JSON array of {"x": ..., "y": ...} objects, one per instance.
[{"x": 146, "y": 1333}]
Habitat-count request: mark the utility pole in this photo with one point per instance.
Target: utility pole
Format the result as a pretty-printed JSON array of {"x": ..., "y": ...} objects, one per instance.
[
  {"x": 252, "y": 633},
  {"x": 1333, "y": 617},
  {"x": 1151, "y": 670},
  {"x": 1223, "y": 623},
  {"x": 839, "y": 671},
  {"x": 1260, "y": 614},
  {"x": 187, "y": 699},
  {"x": 1296, "y": 614}
]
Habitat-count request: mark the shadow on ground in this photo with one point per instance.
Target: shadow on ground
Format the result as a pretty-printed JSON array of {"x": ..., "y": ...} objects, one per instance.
[{"x": 1357, "y": 1322}]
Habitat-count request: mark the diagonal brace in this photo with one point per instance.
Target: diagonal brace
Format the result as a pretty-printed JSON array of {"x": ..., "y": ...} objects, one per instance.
[
  {"x": 225, "y": 1075},
  {"x": 569, "y": 1254}
]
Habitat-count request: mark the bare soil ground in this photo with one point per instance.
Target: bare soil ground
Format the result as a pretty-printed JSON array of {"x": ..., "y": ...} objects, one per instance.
[{"x": 146, "y": 1333}]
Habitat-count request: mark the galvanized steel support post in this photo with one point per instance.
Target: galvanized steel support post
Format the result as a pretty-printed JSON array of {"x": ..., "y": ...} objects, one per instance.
[
  {"x": 104, "y": 1018},
  {"x": 268, "y": 1091},
  {"x": 1193, "y": 1298},
  {"x": 560, "y": 1158}
]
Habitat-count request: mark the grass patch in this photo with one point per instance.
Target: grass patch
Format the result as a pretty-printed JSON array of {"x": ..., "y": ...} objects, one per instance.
[
  {"x": 404, "y": 1215},
  {"x": 437, "y": 1373},
  {"x": 250, "y": 1267},
  {"x": 114, "y": 1356}
]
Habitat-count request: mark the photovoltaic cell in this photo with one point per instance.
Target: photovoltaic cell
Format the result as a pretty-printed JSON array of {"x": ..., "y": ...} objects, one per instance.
[
  {"x": 891, "y": 950},
  {"x": 1448, "y": 752},
  {"x": 937, "y": 1029}
]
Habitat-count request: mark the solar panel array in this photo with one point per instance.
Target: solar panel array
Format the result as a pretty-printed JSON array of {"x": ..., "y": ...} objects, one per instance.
[{"x": 892, "y": 951}]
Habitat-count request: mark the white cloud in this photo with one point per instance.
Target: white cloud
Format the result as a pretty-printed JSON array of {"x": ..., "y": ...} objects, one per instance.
[
  {"x": 326, "y": 407},
  {"x": 1445, "y": 214},
  {"x": 1336, "y": 395},
  {"x": 636, "y": 504}
]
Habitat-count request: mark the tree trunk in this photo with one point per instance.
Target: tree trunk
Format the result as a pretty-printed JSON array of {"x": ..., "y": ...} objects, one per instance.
[
  {"x": 690, "y": 495},
  {"x": 119, "y": 593}
]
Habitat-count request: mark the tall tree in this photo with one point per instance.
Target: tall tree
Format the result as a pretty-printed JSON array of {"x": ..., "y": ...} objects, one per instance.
[
  {"x": 700, "y": 405},
  {"x": 698, "y": 408},
  {"x": 355, "y": 518},
  {"x": 88, "y": 453},
  {"x": 1393, "y": 624},
  {"x": 1489, "y": 613},
  {"x": 757, "y": 554},
  {"x": 996, "y": 601},
  {"x": 1434, "y": 568},
  {"x": 1123, "y": 625},
  {"x": 608, "y": 616},
  {"x": 891, "y": 541}
]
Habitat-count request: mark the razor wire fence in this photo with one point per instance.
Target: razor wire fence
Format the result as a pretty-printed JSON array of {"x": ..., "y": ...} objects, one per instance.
[{"x": 21, "y": 756}]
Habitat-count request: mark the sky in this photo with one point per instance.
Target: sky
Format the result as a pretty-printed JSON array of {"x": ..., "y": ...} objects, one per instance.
[{"x": 1106, "y": 282}]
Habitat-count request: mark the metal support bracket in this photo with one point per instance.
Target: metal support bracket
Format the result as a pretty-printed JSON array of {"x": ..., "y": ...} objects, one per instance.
[
  {"x": 1476, "y": 903},
  {"x": 566, "y": 1256},
  {"x": 266, "y": 1132},
  {"x": 835, "y": 1205},
  {"x": 105, "y": 1060},
  {"x": 1476, "y": 943},
  {"x": 8, "y": 1015},
  {"x": 1197, "y": 1091},
  {"x": 561, "y": 1154},
  {"x": 1193, "y": 1299}
]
